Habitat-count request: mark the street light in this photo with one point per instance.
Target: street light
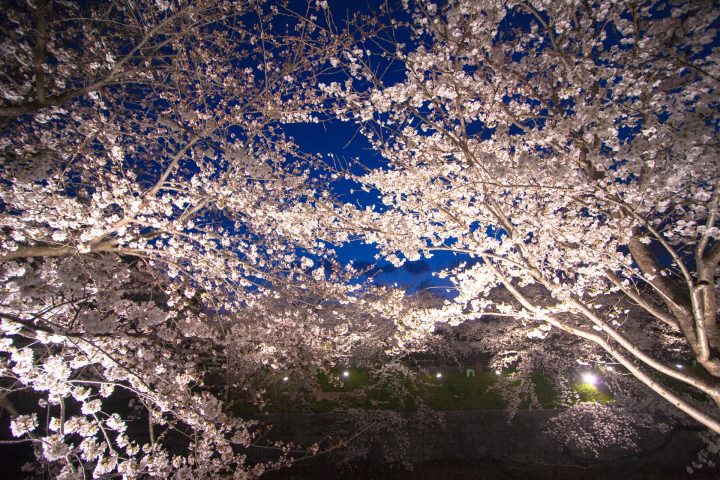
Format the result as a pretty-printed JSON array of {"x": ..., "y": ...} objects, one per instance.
[
  {"x": 346, "y": 374},
  {"x": 590, "y": 378}
]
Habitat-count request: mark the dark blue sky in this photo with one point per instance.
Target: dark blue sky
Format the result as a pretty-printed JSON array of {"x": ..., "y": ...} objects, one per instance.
[
  {"x": 342, "y": 141},
  {"x": 346, "y": 145}
]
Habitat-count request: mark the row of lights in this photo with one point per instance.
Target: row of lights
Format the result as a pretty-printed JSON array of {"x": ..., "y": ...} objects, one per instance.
[
  {"x": 345, "y": 374},
  {"x": 587, "y": 377}
]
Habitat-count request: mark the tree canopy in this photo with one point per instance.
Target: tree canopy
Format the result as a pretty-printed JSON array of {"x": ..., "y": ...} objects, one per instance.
[{"x": 157, "y": 213}]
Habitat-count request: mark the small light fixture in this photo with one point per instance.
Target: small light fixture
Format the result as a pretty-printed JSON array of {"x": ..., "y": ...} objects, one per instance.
[
  {"x": 609, "y": 368},
  {"x": 285, "y": 379},
  {"x": 438, "y": 375},
  {"x": 678, "y": 366},
  {"x": 346, "y": 374},
  {"x": 590, "y": 378}
]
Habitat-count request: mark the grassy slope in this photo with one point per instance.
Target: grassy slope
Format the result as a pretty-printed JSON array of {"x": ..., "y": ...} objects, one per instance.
[{"x": 453, "y": 391}]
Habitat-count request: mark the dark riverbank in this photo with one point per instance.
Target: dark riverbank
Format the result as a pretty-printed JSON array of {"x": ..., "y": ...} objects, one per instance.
[
  {"x": 481, "y": 444},
  {"x": 475, "y": 470}
]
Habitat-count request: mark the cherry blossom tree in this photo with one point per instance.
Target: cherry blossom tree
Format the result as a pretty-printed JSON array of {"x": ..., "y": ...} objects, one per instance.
[
  {"x": 567, "y": 146},
  {"x": 154, "y": 214}
]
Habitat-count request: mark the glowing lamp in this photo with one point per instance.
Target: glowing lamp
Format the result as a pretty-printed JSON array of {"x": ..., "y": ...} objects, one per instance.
[{"x": 590, "y": 378}]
